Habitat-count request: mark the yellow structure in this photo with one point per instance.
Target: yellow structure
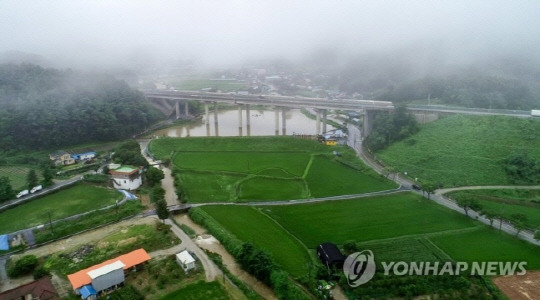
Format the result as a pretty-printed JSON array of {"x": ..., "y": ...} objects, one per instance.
[{"x": 330, "y": 142}]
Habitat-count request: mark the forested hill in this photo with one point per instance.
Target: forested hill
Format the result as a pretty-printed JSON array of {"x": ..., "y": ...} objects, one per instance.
[
  {"x": 505, "y": 82},
  {"x": 47, "y": 108}
]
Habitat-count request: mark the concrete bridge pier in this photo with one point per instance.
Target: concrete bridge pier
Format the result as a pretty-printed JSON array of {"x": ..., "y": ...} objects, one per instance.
[
  {"x": 248, "y": 125},
  {"x": 216, "y": 119},
  {"x": 239, "y": 119},
  {"x": 177, "y": 109},
  {"x": 283, "y": 122},
  {"x": 276, "y": 114},
  {"x": 369, "y": 116},
  {"x": 207, "y": 118},
  {"x": 186, "y": 108},
  {"x": 324, "y": 120},
  {"x": 318, "y": 121}
]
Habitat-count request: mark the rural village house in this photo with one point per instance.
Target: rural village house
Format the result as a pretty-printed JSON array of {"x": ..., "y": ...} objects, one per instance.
[
  {"x": 125, "y": 177},
  {"x": 61, "y": 158},
  {"x": 41, "y": 289},
  {"x": 108, "y": 275}
]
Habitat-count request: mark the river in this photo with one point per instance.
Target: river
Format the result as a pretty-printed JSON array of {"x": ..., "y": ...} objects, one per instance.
[{"x": 262, "y": 123}]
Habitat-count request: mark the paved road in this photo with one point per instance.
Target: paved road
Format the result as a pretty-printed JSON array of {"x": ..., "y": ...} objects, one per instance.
[{"x": 487, "y": 187}]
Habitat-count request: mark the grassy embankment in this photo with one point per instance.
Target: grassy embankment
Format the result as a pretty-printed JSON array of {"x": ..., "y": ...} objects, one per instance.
[{"x": 461, "y": 150}]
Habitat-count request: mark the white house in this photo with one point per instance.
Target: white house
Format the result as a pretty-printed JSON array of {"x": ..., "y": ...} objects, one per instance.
[
  {"x": 125, "y": 177},
  {"x": 185, "y": 260}
]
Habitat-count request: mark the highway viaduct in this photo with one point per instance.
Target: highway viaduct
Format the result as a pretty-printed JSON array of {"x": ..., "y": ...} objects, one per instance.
[
  {"x": 162, "y": 100},
  {"x": 423, "y": 113}
]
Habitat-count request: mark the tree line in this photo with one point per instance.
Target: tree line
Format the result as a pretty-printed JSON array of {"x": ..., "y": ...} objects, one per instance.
[
  {"x": 47, "y": 108},
  {"x": 391, "y": 127}
]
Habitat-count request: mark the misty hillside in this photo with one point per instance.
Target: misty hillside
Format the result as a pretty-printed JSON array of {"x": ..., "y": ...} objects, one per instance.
[
  {"x": 47, "y": 108},
  {"x": 497, "y": 82}
]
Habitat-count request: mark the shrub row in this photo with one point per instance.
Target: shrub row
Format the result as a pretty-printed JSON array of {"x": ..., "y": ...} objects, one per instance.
[{"x": 248, "y": 292}]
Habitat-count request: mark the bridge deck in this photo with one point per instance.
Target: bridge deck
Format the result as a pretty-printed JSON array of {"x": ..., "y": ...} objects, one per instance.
[{"x": 286, "y": 101}]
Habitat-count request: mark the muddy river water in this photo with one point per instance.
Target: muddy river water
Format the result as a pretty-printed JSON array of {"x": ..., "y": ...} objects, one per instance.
[{"x": 262, "y": 122}]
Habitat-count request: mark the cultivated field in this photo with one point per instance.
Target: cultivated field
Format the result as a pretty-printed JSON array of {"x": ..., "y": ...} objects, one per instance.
[
  {"x": 260, "y": 169},
  {"x": 73, "y": 200},
  {"x": 366, "y": 219},
  {"x": 488, "y": 244},
  {"x": 397, "y": 227},
  {"x": 250, "y": 225},
  {"x": 17, "y": 176},
  {"x": 289, "y": 164},
  {"x": 463, "y": 150}
]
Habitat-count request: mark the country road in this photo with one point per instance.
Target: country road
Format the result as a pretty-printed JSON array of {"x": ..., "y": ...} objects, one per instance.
[{"x": 487, "y": 187}]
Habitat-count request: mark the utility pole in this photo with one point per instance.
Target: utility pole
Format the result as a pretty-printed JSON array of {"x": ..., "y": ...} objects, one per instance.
[{"x": 50, "y": 223}]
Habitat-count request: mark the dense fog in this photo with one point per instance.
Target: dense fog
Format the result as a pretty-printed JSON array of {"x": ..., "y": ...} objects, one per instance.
[{"x": 150, "y": 34}]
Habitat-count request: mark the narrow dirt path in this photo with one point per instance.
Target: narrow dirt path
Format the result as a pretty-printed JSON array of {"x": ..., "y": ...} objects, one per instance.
[{"x": 211, "y": 244}]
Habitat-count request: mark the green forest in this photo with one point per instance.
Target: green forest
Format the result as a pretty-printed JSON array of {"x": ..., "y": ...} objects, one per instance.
[{"x": 45, "y": 108}]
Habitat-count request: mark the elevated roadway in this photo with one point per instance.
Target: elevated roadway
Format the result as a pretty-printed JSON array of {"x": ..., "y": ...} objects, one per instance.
[{"x": 281, "y": 101}]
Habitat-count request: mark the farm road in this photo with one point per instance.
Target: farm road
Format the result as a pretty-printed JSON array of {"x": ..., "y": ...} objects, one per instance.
[
  {"x": 211, "y": 270},
  {"x": 487, "y": 187},
  {"x": 303, "y": 201}
]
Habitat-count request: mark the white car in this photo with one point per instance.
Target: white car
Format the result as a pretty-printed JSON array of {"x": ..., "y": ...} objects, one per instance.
[
  {"x": 36, "y": 188},
  {"x": 22, "y": 193}
]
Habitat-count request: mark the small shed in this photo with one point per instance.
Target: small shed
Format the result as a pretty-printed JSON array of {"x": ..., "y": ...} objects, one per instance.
[
  {"x": 88, "y": 292},
  {"x": 330, "y": 255},
  {"x": 107, "y": 276},
  {"x": 185, "y": 260}
]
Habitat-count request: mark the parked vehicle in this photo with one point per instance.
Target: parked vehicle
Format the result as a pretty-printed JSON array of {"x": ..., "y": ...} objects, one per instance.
[
  {"x": 36, "y": 188},
  {"x": 22, "y": 193},
  {"x": 416, "y": 187}
]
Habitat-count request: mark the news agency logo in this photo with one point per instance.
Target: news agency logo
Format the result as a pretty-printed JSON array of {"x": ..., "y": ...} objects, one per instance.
[{"x": 359, "y": 267}]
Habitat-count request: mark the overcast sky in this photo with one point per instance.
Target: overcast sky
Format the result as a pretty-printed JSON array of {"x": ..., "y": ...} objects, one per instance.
[{"x": 223, "y": 32}]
